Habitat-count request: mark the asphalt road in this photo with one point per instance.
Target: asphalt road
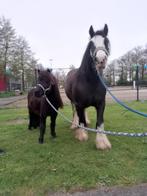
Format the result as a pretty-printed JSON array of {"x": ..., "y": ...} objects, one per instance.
[
  {"x": 139, "y": 190},
  {"x": 9, "y": 100},
  {"x": 124, "y": 94}
]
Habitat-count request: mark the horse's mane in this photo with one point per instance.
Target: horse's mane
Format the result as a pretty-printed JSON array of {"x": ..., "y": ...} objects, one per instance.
[
  {"x": 46, "y": 74},
  {"x": 57, "y": 93},
  {"x": 86, "y": 61}
]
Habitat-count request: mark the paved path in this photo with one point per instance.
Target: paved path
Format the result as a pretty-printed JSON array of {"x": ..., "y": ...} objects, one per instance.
[
  {"x": 9, "y": 100},
  {"x": 124, "y": 94},
  {"x": 139, "y": 190}
]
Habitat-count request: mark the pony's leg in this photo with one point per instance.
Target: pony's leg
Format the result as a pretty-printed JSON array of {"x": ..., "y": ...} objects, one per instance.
[
  {"x": 102, "y": 141},
  {"x": 80, "y": 133},
  {"x": 42, "y": 129},
  {"x": 53, "y": 125},
  {"x": 30, "y": 120}
]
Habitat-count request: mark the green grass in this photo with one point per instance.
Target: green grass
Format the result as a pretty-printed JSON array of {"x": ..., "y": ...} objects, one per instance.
[
  {"x": 6, "y": 94},
  {"x": 29, "y": 168}
]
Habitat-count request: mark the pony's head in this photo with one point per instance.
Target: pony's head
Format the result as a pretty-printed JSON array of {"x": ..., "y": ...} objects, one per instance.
[
  {"x": 45, "y": 83},
  {"x": 99, "y": 46}
]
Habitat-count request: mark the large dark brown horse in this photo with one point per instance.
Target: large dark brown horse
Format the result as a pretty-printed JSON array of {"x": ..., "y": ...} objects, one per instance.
[
  {"x": 39, "y": 108},
  {"x": 83, "y": 86}
]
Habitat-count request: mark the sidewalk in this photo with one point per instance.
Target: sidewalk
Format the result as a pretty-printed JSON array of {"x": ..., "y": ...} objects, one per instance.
[
  {"x": 9, "y": 100},
  {"x": 138, "y": 190}
]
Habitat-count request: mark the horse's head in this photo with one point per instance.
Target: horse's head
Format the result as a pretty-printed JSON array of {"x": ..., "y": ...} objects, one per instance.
[
  {"x": 45, "y": 83},
  {"x": 99, "y": 47}
]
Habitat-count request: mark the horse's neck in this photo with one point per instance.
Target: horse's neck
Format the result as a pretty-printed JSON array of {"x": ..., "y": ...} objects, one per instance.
[
  {"x": 86, "y": 61},
  {"x": 87, "y": 68}
]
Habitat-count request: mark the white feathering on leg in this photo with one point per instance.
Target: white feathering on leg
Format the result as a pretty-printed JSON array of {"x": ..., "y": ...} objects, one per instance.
[
  {"x": 102, "y": 141},
  {"x": 81, "y": 134},
  {"x": 75, "y": 121}
]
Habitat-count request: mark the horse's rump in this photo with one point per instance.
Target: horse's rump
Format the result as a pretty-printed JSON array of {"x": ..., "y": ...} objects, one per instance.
[
  {"x": 33, "y": 102},
  {"x": 70, "y": 78}
]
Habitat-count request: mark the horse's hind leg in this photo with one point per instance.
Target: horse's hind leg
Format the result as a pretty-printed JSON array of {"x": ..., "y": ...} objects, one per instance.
[
  {"x": 87, "y": 119},
  {"x": 102, "y": 141},
  {"x": 75, "y": 120},
  {"x": 81, "y": 134},
  {"x": 53, "y": 125}
]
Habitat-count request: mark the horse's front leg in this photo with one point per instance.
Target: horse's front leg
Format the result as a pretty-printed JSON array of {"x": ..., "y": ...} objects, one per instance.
[
  {"x": 53, "y": 125},
  {"x": 81, "y": 134},
  {"x": 102, "y": 141},
  {"x": 42, "y": 129}
]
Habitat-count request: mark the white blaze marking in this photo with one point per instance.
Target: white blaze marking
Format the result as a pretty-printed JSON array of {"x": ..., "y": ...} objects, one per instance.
[{"x": 98, "y": 41}]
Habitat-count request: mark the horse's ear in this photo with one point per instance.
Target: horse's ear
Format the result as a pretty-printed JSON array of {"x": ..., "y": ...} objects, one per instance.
[
  {"x": 91, "y": 31},
  {"x": 49, "y": 70},
  {"x": 105, "y": 30}
]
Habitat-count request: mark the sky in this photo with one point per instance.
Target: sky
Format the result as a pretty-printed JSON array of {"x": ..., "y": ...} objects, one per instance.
[{"x": 58, "y": 30}]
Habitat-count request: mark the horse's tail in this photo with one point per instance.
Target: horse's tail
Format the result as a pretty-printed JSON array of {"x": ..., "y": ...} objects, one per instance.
[{"x": 58, "y": 96}]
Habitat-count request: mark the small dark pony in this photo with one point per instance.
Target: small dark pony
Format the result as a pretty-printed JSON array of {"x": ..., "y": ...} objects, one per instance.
[
  {"x": 39, "y": 108},
  {"x": 84, "y": 88}
]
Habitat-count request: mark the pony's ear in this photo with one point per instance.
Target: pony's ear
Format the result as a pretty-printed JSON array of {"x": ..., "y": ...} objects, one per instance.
[
  {"x": 49, "y": 70},
  {"x": 91, "y": 31},
  {"x": 105, "y": 30}
]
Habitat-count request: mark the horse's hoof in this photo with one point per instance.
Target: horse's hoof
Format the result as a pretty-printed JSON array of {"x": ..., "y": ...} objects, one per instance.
[
  {"x": 102, "y": 142},
  {"x": 54, "y": 135},
  {"x": 40, "y": 141},
  {"x": 30, "y": 128},
  {"x": 81, "y": 135},
  {"x": 73, "y": 127}
]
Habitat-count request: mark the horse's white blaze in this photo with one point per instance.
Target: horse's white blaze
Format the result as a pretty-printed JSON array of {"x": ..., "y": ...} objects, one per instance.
[
  {"x": 81, "y": 134},
  {"x": 98, "y": 41},
  {"x": 102, "y": 141},
  {"x": 100, "y": 55}
]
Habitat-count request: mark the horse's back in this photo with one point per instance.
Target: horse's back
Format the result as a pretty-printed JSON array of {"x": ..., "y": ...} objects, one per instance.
[{"x": 33, "y": 102}]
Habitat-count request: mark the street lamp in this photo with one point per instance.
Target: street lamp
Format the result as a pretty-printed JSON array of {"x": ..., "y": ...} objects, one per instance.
[
  {"x": 136, "y": 66},
  {"x": 51, "y": 63}
]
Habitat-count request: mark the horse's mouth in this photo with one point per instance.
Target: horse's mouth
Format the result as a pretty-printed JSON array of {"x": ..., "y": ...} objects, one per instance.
[{"x": 100, "y": 66}]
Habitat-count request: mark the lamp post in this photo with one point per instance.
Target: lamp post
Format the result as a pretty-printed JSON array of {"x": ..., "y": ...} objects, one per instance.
[
  {"x": 136, "y": 66},
  {"x": 51, "y": 62},
  {"x": 137, "y": 81}
]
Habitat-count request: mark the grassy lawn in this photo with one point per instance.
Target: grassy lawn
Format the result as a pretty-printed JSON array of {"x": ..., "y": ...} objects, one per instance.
[
  {"x": 29, "y": 168},
  {"x": 7, "y": 94}
]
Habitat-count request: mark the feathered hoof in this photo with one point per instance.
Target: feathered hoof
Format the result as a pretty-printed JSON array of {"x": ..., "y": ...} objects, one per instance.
[
  {"x": 73, "y": 126},
  {"x": 102, "y": 142},
  {"x": 81, "y": 135}
]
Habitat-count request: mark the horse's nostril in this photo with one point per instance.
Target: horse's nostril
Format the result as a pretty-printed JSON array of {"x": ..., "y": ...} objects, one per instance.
[{"x": 102, "y": 61}]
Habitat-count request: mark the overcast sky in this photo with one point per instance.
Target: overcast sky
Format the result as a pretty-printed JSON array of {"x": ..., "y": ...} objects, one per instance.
[{"x": 58, "y": 29}]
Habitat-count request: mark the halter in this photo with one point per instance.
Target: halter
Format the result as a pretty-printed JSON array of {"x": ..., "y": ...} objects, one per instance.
[
  {"x": 44, "y": 90},
  {"x": 93, "y": 55}
]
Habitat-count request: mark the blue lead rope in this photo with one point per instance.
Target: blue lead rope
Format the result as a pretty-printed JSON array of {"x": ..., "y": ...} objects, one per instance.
[{"x": 120, "y": 102}]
